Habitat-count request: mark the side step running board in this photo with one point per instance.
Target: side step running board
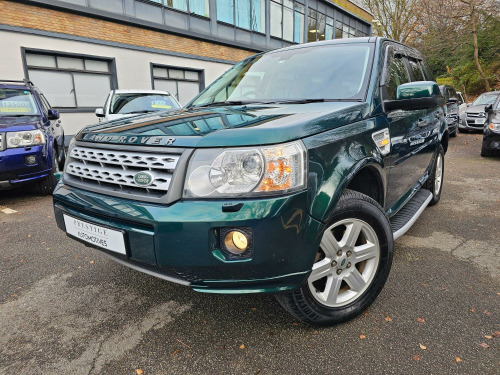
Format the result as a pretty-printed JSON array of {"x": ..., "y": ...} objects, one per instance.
[{"x": 406, "y": 217}]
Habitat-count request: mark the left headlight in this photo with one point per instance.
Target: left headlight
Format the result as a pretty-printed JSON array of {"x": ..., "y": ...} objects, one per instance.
[
  {"x": 25, "y": 138},
  {"x": 246, "y": 172},
  {"x": 494, "y": 127}
]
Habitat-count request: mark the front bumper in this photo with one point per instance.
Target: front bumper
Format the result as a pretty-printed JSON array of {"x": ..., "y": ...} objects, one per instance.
[
  {"x": 180, "y": 241},
  {"x": 468, "y": 123},
  {"x": 14, "y": 170}
]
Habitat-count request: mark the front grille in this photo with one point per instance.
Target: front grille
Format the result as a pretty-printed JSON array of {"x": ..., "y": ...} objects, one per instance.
[{"x": 114, "y": 170}]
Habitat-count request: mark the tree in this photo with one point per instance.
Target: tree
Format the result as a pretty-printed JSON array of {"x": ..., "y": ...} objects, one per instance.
[
  {"x": 398, "y": 19},
  {"x": 471, "y": 11}
]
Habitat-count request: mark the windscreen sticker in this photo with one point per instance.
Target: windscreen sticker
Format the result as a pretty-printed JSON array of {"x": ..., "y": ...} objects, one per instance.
[
  {"x": 160, "y": 104},
  {"x": 15, "y": 109},
  {"x": 15, "y": 106}
]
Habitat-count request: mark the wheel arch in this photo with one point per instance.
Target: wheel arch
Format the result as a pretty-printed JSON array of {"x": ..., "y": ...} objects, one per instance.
[{"x": 365, "y": 176}]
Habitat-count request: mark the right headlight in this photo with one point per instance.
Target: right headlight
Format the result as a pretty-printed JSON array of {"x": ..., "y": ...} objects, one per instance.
[
  {"x": 246, "y": 172},
  {"x": 494, "y": 127},
  {"x": 25, "y": 138}
]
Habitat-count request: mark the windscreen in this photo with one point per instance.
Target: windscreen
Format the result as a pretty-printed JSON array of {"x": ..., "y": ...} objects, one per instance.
[
  {"x": 330, "y": 72},
  {"x": 17, "y": 102},
  {"x": 140, "y": 103},
  {"x": 485, "y": 99}
]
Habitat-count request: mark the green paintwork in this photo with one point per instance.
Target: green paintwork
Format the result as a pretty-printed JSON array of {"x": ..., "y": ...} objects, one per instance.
[
  {"x": 182, "y": 238},
  {"x": 417, "y": 90}
]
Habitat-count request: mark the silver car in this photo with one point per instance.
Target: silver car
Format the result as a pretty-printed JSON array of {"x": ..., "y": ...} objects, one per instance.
[{"x": 476, "y": 116}]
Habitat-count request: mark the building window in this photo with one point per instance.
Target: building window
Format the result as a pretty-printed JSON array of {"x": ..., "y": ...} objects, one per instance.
[
  {"x": 287, "y": 20},
  {"x": 199, "y": 7},
  {"x": 247, "y": 14},
  {"x": 343, "y": 30},
  {"x": 320, "y": 26},
  {"x": 183, "y": 83},
  {"x": 71, "y": 81}
]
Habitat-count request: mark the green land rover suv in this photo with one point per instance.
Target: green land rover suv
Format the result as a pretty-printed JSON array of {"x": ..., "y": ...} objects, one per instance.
[{"x": 293, "y": 173}]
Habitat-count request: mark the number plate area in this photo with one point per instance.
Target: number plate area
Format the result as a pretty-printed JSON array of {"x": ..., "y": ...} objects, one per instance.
[{"x": 109, "y": 239}]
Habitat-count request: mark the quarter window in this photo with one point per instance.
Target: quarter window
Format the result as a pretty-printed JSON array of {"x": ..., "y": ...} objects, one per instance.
[
  {"x": 398, "y": 76},
  {"x": 71, "y": 81},
  {"x": 184, "y": 84}
]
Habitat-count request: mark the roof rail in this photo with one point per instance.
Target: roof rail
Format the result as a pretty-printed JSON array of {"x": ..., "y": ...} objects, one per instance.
[{"x": 25, "y": 81}]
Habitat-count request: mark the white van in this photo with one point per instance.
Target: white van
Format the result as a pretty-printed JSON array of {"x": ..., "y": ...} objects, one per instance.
[{"x": 126, "y": 103}]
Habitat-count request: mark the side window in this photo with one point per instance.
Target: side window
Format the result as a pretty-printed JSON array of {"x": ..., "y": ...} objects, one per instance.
[
  {"x": 105, "y": 107},
  {"x": 453, "y": 93},
  {"x": 398, "y": 76},
  {"x": 418, "y": 75},
  {"x": 427, "y": 73},
  {"x": 446, "y": 94},
  {"x": 45, "y": 102},
  {"x": 45, "y": 108}
]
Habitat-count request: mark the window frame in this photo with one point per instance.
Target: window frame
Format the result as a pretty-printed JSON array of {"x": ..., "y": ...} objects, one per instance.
[
  {"x": 111, "y": 73},
  {"x": 201, "y": 76}
]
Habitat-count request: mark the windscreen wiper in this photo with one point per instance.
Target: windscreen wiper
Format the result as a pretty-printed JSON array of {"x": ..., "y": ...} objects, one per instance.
[
  {"x": 227, "y": 102},
  {"x": 137, "y": 112},
  {"x": 305, "y": 101}
]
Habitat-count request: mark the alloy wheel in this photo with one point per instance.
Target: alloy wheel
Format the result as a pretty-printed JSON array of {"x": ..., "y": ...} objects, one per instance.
[
  {"x": 438, "y": 178},
  {"x": 345, "y": 264}
]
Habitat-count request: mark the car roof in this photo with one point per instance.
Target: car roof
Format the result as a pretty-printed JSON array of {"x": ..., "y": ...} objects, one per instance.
[
  {"x": 138, "y": 91},
  {"x": 370, "y": 39}
]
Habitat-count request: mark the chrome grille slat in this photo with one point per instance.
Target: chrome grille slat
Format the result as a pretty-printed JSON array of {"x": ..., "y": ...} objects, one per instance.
[
  {"x": 116, "y": 176},
  {"x": 125, "y": 158},
  {"x": 114, "y": 170}
]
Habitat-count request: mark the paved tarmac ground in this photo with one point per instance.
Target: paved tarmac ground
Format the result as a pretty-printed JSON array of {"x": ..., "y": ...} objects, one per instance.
[{"x": 67, "y": 309}]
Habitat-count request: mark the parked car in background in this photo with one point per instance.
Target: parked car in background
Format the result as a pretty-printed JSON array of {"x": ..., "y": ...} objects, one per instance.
[
  {"x": 476, "y": 116},
  {"x": 452, "y": 102},
  {"x": 491, "y": 132},
  {"x": 126, "y": 103},
  {"x": 275, "y": 179},
  {"x": 31, "y": 137},
  {"x": 462, "y": 108}
]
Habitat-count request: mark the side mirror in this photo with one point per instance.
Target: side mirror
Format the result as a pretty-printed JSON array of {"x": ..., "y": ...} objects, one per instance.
[
  {"x": 53, "y": 114},
  {"x": 414, "y": 96},
  {"x": 99, "y": 112},
  {"x": 488, "y": 108}
]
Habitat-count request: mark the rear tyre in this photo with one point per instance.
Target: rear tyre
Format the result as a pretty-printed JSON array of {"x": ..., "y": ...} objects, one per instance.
[
  {"x": 48, "y": 184},
  {"x": 435, "y": 181},
  {"x": 351, "y": 265},
  {"x": 454, "y": 134},
  {"x": 485, "y": 152}
]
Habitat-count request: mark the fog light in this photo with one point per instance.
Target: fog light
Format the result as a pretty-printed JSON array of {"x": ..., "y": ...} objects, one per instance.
[
  {"x": 30, "y": 159},
  {"x": 236, "y": 242}
]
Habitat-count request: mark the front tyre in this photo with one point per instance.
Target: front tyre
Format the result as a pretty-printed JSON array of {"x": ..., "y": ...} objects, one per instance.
[
  {"x": 47, "y": 185},
  {"x": 351, "y": 265},
  {"x": 435, "y": 181}
]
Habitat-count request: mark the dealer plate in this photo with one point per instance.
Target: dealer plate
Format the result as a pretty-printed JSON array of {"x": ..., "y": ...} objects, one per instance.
[
  {"x": 480, "y": 121},
  {"x": 96, "y": 235}
]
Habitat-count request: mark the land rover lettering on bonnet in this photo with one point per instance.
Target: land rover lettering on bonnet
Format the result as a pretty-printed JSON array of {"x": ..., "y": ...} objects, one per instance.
[{"x": 293, "y": 174}]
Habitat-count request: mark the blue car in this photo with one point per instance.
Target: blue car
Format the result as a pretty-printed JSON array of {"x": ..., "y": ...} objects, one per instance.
[{"x": 31, "y": 138}]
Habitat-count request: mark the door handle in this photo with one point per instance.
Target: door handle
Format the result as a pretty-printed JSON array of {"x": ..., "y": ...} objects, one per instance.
[{"x": 421, "y": 123}]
